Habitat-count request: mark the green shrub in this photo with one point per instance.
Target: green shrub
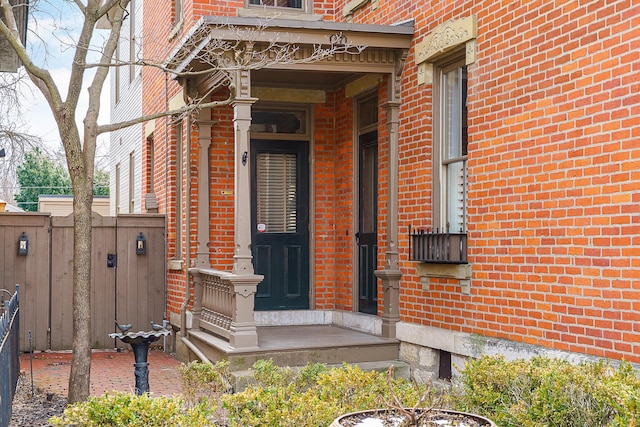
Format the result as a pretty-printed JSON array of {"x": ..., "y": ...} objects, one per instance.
[
  {"x": 546, "y": 392},
  {"x": 311, "y": 397},
  {"x": 205, "y": 381},
  {"x": 124, "y": 409}
]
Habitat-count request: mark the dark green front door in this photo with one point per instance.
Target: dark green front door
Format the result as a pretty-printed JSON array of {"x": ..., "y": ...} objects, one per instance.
[
  {"x": 280, "y": 223},
  {"x": 367, "y": 235}
]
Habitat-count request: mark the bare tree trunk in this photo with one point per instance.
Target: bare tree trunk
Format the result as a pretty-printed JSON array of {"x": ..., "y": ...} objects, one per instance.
[{"x": 79, "y": 379}]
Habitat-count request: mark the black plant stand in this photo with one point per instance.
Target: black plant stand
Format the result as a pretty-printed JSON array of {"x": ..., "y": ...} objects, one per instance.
[{"x": 139, "y": 342}]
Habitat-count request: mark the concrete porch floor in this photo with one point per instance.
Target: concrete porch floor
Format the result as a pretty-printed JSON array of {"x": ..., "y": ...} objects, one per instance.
[{"x": 313, "y": 336}]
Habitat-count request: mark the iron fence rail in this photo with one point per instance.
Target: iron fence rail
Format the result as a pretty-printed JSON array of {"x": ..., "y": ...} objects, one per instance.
[{"x": 9, "y": 355}]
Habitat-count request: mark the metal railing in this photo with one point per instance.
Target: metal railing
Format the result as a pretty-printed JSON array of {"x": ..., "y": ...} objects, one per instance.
[
  {"x": 9, "y": 354},
  {"x": 437, "y": 247}
]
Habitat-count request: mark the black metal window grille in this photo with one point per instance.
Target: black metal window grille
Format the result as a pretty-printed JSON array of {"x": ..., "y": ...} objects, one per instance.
[{"x": 437, "y": 247}]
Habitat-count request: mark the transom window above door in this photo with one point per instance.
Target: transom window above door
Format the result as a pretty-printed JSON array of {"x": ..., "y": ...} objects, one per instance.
[{"x": 271, "y": 121}]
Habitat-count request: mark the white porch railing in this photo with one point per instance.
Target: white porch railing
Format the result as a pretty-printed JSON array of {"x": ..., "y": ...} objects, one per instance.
[{"x": 224, "y": 305}]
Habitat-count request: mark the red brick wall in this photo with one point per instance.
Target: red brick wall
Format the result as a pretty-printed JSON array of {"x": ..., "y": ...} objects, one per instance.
[
  {"x": 554, "y": 170},
  {"x": 221, "y": 189},
  {"x": 554, "y": 174}
]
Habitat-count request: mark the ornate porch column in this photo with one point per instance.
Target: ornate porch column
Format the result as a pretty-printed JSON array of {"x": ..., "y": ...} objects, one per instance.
[
  {"x": 204, "y": 141},
  {"x": 391, "y": 274},
  {"x": 243, "y": 332},
  {"x": 242, "y": 188}
]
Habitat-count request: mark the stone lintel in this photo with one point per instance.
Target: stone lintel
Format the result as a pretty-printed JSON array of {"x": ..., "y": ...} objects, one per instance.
[
  {"x": 362, "y": 85},
  {"x": 443, "y": 39}
]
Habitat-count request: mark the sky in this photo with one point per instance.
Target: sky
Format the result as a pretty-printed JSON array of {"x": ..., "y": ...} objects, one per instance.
[{"x": 53, "y": 29}]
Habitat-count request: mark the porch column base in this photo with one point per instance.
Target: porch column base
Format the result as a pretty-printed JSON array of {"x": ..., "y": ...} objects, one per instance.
[
  {"x": 242, "y": 331},
  {"x": 196, "y": 278},
  {"x": 391, "y": 312}
]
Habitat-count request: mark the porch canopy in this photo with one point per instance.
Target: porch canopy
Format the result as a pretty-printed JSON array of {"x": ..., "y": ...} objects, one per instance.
[
  {"x": 382, "y": 47},
  {"x": 266, "y": 57}
]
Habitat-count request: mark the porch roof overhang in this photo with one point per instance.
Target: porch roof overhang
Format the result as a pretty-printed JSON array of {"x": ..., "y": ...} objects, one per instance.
[{"x": 380, "y": 42}]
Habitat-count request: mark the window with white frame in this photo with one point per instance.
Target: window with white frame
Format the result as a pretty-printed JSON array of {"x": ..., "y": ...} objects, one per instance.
[
  {"x": 132, "y": 40},
  {"x": 450, "y": 147},
  {"x": 300, "y": 5}
]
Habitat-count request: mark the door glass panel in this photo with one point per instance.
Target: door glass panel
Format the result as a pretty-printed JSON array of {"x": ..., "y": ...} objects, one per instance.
[
  {"x": 276, "y": 192},
  {"x": 369, "y": 191},
  {"x": 368, "y": 112}
]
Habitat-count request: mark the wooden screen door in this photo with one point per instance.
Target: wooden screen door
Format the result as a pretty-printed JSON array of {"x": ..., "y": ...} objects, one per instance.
[
  {"x": 367, "y": 235},
  {"x": 280, "y": 223}
]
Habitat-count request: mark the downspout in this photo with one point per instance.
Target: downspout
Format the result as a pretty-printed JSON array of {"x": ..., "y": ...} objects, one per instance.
[
  {"x": 187, "y": 213},
  {"x": 166, "y": 189}
]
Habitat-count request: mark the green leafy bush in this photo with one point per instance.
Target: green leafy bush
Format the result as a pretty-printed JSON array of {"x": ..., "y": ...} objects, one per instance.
[
  {"x": 546, "y": 392},
  {"x": 124, "y": 409}
]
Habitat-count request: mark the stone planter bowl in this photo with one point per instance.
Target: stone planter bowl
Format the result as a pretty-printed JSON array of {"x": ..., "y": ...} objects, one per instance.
[{"x": 340, "y": 421}]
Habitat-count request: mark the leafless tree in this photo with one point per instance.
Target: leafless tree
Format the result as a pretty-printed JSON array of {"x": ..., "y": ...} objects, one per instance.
[
  {"x": 222, "y": 58},
  {"x": 15, "y": 139}
]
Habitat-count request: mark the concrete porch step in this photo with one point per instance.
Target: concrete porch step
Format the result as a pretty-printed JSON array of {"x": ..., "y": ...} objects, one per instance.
[{"x": 300, "y": 345}]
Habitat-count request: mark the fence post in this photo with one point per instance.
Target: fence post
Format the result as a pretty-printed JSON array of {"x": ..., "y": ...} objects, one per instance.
[{"x": 9, "y": 357}]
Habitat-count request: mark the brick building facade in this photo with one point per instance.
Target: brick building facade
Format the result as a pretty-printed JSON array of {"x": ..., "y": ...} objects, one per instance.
[{"x": 468, "y": 184}]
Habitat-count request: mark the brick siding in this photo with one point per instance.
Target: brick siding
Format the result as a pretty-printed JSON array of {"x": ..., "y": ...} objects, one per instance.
[{"x": 554, "y": 173}]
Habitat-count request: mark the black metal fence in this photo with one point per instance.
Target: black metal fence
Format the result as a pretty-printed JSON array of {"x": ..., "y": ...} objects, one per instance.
[{"x": 9, "y": 353}]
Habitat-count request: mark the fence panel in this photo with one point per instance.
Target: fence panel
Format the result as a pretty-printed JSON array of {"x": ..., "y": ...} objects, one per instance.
[
  {"x": 31, "y": 271},
  {"x": 134, "y": 290},
  {"x": 9, "y": 355},
  {"x": 140, "y": 281}
]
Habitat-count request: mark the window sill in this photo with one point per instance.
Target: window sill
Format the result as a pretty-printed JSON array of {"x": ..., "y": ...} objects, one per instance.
[
  {"x": 461, "y": 272},
  {"x": 354, "y": 5},
  {"x": 176, "y": 29},
  {"x": 449, "y": 271},
  {"x": 277, "y": 14},
  {"x": 175, "y": 264}
]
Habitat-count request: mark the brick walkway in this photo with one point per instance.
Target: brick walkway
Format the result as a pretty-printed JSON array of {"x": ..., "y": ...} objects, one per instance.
[{"x": 110, "y": 370}]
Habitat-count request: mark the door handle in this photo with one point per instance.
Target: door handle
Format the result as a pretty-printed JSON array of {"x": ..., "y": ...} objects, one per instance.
[{"x": 358, "y": 237}]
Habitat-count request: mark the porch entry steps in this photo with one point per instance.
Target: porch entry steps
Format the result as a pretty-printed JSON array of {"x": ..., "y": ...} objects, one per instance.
[{"x": 298, "y": 345}]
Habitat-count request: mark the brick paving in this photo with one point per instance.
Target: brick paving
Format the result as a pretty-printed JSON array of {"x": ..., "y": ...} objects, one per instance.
[{"x": 110, "y": 371}]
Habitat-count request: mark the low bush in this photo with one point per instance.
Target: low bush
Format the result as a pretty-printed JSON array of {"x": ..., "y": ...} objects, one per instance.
[
  {"x": 311, "y": 397},
  {"x": 542, "y": 392},
  {"x": 125, "y": 409},
  {"x": 546, "y": 392}
]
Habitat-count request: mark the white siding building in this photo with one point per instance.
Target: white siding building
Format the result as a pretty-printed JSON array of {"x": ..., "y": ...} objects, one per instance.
[{"x": 126, "y": 103}]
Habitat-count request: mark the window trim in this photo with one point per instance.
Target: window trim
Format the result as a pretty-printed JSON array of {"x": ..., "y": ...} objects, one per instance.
[
  {"x": 440, "y": 193},
  {"x": 307, "y": 7},
  {"x": 177, "y": 9},
  {"x": 261, "y": 11}
]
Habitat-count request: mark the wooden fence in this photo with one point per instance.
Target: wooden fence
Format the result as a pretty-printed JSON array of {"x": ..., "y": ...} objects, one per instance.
[{"x": 132, "y": 291}]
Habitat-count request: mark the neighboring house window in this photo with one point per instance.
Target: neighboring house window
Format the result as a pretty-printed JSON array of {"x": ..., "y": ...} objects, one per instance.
[
  {"x": 118, "y": 191},
  {"x": 117, "y": 75},
  {"x": 151, "y": 164},
  {"x": 295, "y": 4},
  {"x": 132, "y": 40},
  {"x": 450, "y": 147},
  {"x": 132, "y": 180},
  {"x": 290, "y": 5}
]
